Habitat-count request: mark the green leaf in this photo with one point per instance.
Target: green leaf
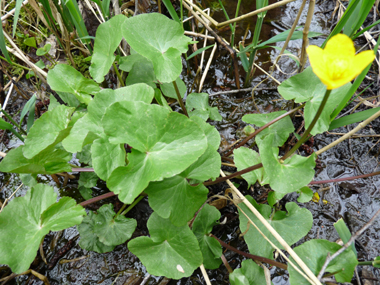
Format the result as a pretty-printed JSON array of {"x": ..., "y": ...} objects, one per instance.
[
  {"x": 212, "y": 134},
  {"x": 88, "y": 239},
  {"x": 344, "y": 234},
  {"x": 312, "y": 107},
  {"x": 87, "y": 179},
  {"x": 292, "y": 226},
  {"x": 47, "y": 162},
  {"x": 169, "y": 91},
  {"x": 54, "y": 127},
  {"x": 85, "y": 192},
  {"x": 30, "y": 42},
  {"x": 29, "y": 106},
  {"x": 65, "y": 78},
  {"x": 4, "y": 125},
  {"x": 297, "y": 170},
  {"x": 3, "y": 46},
  {"x": 142, "y": 72},
  {"x": 16, "y": 15},
  {"x": 168, "y": 4},
  {"x": 376, "y": 262},
  {"x": 174, "y": 199},
  {"x": 170, "y": 251},
  {"x": 279, "y": 131},
  {"x": 248, "y": 274},
  {"x": 29, "y": 179},
  {"x": 353, "y": 118},
  {"x": 202, "y": 109},
  {"x": 167, "y": 144},
  {"x": 210, "y": 247},
  {"x": 198, "y": 51},
  {"x": 126, "y": 62},
  {"x": 245, "y": 157},
  {"x": 160, "y": 40},
  {"x": 161, "y": 99},
  {"x": 26, "y": 220},
  {"x": 106, "y": 157},
  {"x": 108, "y": 37},
  {"x": 302, "y": 86},
  {"x": 305, "y": 195},
  {"x": 68, "y": 98},
  {"x": 319, "y": 249},
  {"x": 44, "y": 50},
  {"x": 358, "y": 17},
  {"x": 113, "y": 231},
  {"x": 89, "y": 128},
  {"x": 84, "y": 156}
]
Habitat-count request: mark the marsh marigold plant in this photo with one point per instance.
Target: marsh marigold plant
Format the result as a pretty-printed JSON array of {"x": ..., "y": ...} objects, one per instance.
[{"x": 337, "y": 64}]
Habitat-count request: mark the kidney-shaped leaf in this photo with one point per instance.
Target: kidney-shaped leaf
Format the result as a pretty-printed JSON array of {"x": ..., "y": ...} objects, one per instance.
[
  {"x": 210, "y": 247},
  {"x": 65, "y": 78},
  {"x": 244, "y": 158},
  {"x": 197, "y": 105},
  {"x": 26, "y": 220},
  {"x": 319, "y": 249},
  {"x": 160, "y": 40},
  {"x": 297, "y": 170},
  {"x": 110, "y": 230},
  {"x": 280, "y": 130},
  {"x": 292, "y": 226},
  {"x": 170, "y": 251},
  {"x": 52, "y": 125}
]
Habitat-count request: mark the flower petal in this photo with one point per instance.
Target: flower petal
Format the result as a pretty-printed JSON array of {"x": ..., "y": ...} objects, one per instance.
[
  {"x": 317, "y": 61},
  {"x": 340, "y": 45},
  {"x": 361, "y": 61}
]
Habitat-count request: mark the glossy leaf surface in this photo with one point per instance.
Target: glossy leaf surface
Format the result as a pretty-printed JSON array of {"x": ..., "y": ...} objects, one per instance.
[
  {"x": 26, "y": 220},
  {"x": 291, "y": 225},
  {"x": 248, "y": 274},
  {"x": 170, "y": 251}
]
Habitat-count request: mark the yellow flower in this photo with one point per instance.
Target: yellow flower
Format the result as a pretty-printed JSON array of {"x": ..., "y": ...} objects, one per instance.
[{"x": 337, "y": 64}]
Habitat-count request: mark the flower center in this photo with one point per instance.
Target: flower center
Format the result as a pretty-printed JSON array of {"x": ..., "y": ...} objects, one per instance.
[{"x": 337, "y": 67}]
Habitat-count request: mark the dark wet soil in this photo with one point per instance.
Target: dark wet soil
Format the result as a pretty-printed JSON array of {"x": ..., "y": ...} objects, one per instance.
[{"x": 355, "y": 201}]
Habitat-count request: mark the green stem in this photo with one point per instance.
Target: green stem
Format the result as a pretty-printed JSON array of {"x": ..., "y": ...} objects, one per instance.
[
  {"x": 121, "y": 210},
  {"x": 234, "y": 28},
  {"x": 132, "y": 205},
  {"x": 307, "y": 132},
  {"x": 13, "y": 121},
  {"x": 365, "y": 262},
  {"x": 181, "y": 8},
  {"x": 16, "y": 64},
  {"x": 17, "y": 134},
  {"x": 118, "y": 75},
  {"x": 180, "y": 101},
  {"x": 225, "y": 14}
]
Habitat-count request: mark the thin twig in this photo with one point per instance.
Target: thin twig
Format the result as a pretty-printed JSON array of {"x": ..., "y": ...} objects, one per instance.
[
  {"x": 10, "y": 197},
  {"x": 305, "y": 40},
  {"x": 205, "y": 276},
  {"x": 241, "y": 90},
  {"x": 206, "y": 68},
  {"x": 345, "y": 246}
]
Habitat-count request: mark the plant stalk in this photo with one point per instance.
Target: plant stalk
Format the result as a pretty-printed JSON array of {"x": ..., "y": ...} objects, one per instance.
[
  {"x": 12, "y": 121},
  {"x": 180, "y": 101},
  {"x": 310, "y": 128},
  {"x": 234, "y": 28},
  {"x": 118, "y": 75},
  {"x": 132, "y": 205}
]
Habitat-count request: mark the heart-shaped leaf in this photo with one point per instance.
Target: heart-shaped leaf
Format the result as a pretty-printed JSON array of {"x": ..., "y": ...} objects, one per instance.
[
  {"x": 65, "y": 78},
  {"x": 292, "y": 226},
  {"x": 319, "y": 249},
  {"x": 142, "y": 72},
  {"x": 47, "y": 162},
  {"x": 169, "y": 91},
  {"x": 244, "y": 158},
  {"x": 279, "y": 130},
  {"x": 210, "y": 247},
  {"x": 197, "y": 105},
  {"x": 248, "y": 274},
  {"x": 170, "y": 251},
  {"x": 26, "y": 220},
  {"x": 108, "y": 37},
  {"x": 113, "y": 230},
  {"x": 297, "y": 170},
  {"x": 160, "y": 40},
  {"x": 54, "y": 127},
  {"x": 106, "y": 157}
]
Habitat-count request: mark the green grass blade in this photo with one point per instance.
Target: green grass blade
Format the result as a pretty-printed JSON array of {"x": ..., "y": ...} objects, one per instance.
[
  {"x": 225, "y": 13},
  {"x": 342, "y": 22},
  {"x": 199, "y": 51},
  {"x": 344, "y": 234},
  {"x": 106, "y": 9},
  {"x": 358, "y": 17},
  {"x": 171, "y": 10},
  {"x": 365, "y": 29},
  {"x": 353, "y": 118},
  {"x": 17, "y": 14},
  {"x": 3, "y": 46}
]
